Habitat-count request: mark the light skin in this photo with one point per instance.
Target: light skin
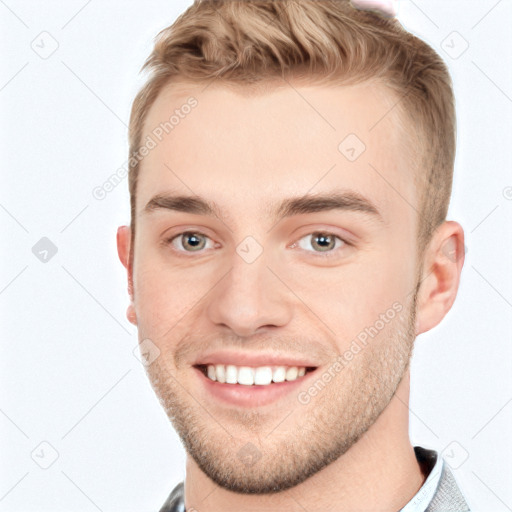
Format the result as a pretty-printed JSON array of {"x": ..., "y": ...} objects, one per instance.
[{"x": 247, "y": 154}]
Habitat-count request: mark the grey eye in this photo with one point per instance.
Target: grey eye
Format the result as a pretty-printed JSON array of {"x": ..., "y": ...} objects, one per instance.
[
  {"x": 321, "y": 242},
  {"x": 191, "y": 240}
]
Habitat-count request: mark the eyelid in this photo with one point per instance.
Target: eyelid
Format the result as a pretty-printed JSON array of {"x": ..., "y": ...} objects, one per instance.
[{"x": 325, "y": 229}]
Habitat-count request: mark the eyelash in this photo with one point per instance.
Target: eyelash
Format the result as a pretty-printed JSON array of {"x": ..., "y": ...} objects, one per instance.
[{"x": 327, "y": 254}]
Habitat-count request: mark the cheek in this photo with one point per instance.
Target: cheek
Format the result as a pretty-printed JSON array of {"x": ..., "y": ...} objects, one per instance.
[
  {"x": 165, "y": 292},
  {"x": 159, "y": 301},
  {"x": 353, "y": 297}
]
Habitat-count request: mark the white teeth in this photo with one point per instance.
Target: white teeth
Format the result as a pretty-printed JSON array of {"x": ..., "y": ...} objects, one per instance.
[
  {"x": 245, "y": 375},
  {"x": 211, "y": 372},
  {"x": 291, "y": 373},
  {"x": 249, "y": 376},
  {"x": 279, "y": 374},
  {"x": 263, "y": 375},
  {"x": 231, "y": 374},
  {"x": 219, "y": 372}
]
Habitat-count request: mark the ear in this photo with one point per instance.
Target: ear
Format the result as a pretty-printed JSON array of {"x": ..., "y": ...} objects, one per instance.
[
  {"x": 442, "y": 266},
  {"x": 123, "y": 251}
]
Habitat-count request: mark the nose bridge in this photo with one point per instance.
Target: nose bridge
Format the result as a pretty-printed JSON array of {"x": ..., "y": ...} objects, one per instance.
[{"x": 250, "y": 296}]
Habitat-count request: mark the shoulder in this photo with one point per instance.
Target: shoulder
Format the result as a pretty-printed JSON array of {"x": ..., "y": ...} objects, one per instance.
[{"x": 175, "y": 502}]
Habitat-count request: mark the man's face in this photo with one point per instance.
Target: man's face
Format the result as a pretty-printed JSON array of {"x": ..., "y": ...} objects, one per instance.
[{"x": 252, "y": 282}]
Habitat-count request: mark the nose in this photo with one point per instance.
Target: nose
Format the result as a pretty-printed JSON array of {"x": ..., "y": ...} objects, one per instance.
[{"x": 250, "y": 298}]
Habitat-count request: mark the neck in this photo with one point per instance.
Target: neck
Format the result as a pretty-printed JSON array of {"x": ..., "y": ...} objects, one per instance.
[{"x": 379, "y": 472}]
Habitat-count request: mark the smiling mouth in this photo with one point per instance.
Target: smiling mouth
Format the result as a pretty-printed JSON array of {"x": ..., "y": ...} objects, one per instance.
[{"x": 253, "y": 376}]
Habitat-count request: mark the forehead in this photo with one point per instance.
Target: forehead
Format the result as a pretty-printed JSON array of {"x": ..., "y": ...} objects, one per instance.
[{"x": 246, "y": 150}]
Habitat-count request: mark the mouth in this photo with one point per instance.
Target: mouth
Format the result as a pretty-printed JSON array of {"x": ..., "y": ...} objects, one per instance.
[
  {"x": 253, "y": 376},
  {"x": 250, "y": 379},
  {"x": 252, "y": 387}
]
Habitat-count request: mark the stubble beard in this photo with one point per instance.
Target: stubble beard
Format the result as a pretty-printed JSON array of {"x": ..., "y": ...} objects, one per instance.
[{"x": 323, "y": 430}]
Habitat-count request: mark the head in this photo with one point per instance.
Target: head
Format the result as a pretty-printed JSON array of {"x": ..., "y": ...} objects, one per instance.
[{"x": 315, "y": 143}]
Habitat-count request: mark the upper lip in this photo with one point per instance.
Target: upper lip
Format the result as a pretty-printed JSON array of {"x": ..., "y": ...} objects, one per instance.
[{"x": 252, "y": 359}]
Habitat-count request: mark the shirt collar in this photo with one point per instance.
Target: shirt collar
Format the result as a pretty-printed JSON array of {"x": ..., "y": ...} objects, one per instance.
[{"x": 426, "y": 459}]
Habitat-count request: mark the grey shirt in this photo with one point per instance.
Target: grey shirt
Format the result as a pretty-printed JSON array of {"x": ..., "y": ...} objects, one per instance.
[{"x": 439, "y": 492}]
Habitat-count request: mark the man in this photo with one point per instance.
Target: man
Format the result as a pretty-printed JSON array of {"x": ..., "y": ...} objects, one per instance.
[{"x": 291, "y": 169}]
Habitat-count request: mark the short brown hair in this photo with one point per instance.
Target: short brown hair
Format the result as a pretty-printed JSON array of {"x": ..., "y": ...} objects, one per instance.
[{"x": 251, "y": 42}]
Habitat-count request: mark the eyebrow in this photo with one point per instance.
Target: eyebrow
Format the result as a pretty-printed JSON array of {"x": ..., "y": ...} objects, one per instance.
[{"x": 309, "y": 203}]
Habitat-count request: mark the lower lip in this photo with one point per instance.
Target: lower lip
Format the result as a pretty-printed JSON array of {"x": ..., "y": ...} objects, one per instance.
[{"x": 252, "y": 396}]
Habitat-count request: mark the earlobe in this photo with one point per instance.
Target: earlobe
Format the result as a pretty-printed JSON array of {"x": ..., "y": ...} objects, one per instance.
[
  {"x": 123, "y": 251},
  {"x": 130, "y": 314},
  {"x": 442, "y": 266}
]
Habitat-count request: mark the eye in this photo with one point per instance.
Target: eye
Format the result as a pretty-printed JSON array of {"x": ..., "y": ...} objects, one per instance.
[
  {"x": 193, "y": 240},
  {"x": 325, "y": 244}
]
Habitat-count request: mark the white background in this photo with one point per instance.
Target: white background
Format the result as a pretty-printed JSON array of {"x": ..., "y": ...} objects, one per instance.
[{"x": 68, "y": 375}]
